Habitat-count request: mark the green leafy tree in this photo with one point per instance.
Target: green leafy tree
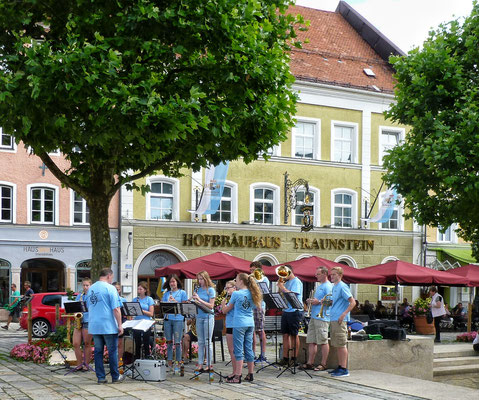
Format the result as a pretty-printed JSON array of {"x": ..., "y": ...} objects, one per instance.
[
  {"x": 436, "y": 169},
  {"x": 143, "y": 85}
]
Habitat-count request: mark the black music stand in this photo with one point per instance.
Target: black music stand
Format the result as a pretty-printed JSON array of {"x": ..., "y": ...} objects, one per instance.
[
  {"x": 273, "y": 300},
  {"x": 295, "y": 303}
]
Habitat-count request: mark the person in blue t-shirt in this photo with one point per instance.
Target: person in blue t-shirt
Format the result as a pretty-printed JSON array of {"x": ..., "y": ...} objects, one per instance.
[
  {"x": 105, "y": 324},
  {"x": 291, "y": 318},
  {"x": 343, "y": 303},
  {"x": 83, "y": 358},
  {"x": 243, "y": 300},
  {"x": 230, "y": 287},
  {"x": 205, "y": 321},
  {"x": 173, "y": 324},
  {"x": 147, "y": 306},
  {"x": 318, "y": 327}
]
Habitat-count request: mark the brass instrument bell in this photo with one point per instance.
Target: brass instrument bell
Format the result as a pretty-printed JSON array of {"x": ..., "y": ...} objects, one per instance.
[
  {"x": 283, "y": 272},
  {"x": 258, "y": 274},
  {"x": 78, "y": 319},
  {"x": 326, "y": 302}
]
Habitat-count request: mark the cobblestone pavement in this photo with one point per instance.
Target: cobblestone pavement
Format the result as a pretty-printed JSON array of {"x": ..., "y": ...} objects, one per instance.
[{"x": 25, "y": 380}]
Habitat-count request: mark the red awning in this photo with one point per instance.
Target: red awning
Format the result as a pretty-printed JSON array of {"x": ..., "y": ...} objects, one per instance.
[
  {"x": 469, "y": 271},
  {"x": 406, "y": 273},
  {"x": 305, "y": 270},
  {"x": 218, "y": 265}
]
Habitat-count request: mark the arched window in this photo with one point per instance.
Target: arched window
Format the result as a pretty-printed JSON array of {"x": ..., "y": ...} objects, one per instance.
[
  {"x": 162, "y": 202},
  {"x": 43, "y": 204},
  {"x": 264, "y": 204},
  {"x": 7, "y": 202},
  {"x": 344, "y": 204},
  {"x": 228, "y": 207},
  {"x": 298, "y": 216},
  {"x": 4, "y": 282}
]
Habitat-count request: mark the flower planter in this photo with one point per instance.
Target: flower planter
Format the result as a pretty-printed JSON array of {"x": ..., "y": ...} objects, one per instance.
[
  {"x": 388, "y": 298},
  {"x": 422, "y": 327}
]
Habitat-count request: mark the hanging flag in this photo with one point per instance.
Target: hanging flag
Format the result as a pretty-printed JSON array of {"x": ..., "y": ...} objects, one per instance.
[
  {"x": 387, "y": 207},
  {"x": 215, "y": 177}
]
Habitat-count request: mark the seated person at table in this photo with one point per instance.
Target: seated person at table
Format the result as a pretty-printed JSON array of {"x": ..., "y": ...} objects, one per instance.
[
  {"x": 459, "y": 315},
  {"x": 380, "y": 312},
  {"x": 368, "y": 309}
]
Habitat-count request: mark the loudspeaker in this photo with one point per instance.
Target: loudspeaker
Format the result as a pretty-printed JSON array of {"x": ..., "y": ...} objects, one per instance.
[
  {"x": 151, "y": 370},
  {"x": 394, "y": 333}
]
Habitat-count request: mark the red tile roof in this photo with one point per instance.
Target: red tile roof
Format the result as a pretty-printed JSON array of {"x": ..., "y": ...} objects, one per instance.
[{"x": 336, "y": 54}]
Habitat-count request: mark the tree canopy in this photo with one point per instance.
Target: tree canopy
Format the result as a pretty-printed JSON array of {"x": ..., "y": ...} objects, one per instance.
[
  {"x": 436, "y": 169},
  {"x": 144, "y": 85}
]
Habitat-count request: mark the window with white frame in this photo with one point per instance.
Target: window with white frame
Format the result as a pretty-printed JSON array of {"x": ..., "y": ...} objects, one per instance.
[
  {"x": 344, "y": 208},
  {"x": 274, "y": 151},
  {"x": 81, "y": 212},
  {"x": 163, "y": 199},
  {"x": 313, "y": 201},
  {"x": 447, "y": 235},
  {"x": 6, "y": 203},
  {"x": 394, "y": 222},
  {"x": 42, "y": 205},
  {"x": 390, "y": 138},
  {"x": 304, "y": 138},
  {"x": 344, "y": 143},
  {"x": 225, "y": 207},
  {"x": 6, "y": 140},
  {"x": 264, "y": 203}
]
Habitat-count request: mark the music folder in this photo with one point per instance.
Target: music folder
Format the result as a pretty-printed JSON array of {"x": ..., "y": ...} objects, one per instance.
[
  {"x": 73, "y": 307},
  {"x": 274, "y": 300},
  {"x": 293, "y": 300},
  {"x": 132, "y": 309}
]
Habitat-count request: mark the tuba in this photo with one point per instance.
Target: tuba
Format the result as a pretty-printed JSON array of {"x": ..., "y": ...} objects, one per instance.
[
  {"x": 78, "y": 319},
  {"x": 283, "y": 271},
  {"x": 326, "y": 302},
  {"x": 258, "y": 274}
]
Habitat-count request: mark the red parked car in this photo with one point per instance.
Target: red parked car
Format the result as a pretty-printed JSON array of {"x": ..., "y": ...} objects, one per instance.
[{"x": 43, "y": 312}]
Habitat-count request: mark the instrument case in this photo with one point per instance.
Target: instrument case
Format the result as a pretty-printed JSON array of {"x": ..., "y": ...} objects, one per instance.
[{"x": 150, "y": 370}]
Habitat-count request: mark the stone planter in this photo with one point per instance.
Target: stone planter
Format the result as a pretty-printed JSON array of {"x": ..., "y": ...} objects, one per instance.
[{"x": 422, "y": 327}]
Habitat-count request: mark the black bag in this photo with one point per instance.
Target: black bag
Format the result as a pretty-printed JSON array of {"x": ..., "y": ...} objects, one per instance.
[
  {"x": 385, "y": 322},
  {"x": 360, "y": 337},
  {"x": 429, "y": 317},
  {"x": 373, "y": 329},
  {"x": 394, "y": 333}
]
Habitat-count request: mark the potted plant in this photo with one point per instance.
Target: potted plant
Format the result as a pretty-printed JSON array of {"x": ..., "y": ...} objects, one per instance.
[{"x": 418, "y": 310}]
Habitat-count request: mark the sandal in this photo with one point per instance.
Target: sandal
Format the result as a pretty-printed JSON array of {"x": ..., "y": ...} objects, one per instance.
[
  {"x": 320, "y": 367},
  {"x": 306, "y": 366},
  {"x": 249, "y": 377},
  {"x": 234, "y": 379}
]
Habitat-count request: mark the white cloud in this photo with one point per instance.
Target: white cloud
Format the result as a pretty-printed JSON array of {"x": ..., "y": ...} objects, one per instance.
[{"x": 405, "y": 22}]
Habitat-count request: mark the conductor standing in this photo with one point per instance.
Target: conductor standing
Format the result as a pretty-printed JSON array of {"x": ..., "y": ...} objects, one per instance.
[{"x": 105, "y": 324}]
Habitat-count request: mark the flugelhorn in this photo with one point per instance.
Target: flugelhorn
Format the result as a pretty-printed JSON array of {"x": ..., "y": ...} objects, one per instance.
[
  {"x": 308, "y": 311},
  {"x": 283, "y": 271},
  {"x": 78, "y": 319},
  {"x": 326, "y": 302}
]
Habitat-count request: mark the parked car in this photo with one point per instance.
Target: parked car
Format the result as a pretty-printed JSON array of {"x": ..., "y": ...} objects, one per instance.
[{"x": 43, "y": 312}]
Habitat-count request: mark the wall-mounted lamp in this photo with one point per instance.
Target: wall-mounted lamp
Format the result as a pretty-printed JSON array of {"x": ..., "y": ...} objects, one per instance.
[
  {"x": 130, "y": 237},
  {"x": 126, "y": 275}
]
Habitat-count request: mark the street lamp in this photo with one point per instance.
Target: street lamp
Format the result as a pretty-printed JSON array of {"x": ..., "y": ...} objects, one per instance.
[{"x": 290, "y": 200}]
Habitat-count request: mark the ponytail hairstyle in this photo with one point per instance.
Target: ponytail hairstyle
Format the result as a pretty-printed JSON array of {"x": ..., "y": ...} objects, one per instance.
[{"x": 250, "y": 282}]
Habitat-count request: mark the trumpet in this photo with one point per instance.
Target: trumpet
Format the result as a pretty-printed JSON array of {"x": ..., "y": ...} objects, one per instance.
[
  {"x": 326, "y": 302},
  {"x": 283, "y": 271},
  {"x": 308, "y": 311},
  {"x": 78, "y": 319}
]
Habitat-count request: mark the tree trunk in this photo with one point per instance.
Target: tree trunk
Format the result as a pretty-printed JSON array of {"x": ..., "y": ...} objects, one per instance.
[{"x": 100, "y": 235}]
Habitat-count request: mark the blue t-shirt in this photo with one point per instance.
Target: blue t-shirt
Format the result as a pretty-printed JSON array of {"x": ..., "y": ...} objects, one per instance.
[
  {"x": 243, "y": 308},
  {"x": 205, "y": 295},
  {"x": 321, "y": 291},
  {"x": 296, "y": 286},
  {"x": 102, "y": 299},
  {"x": 83, "y": 297},
  {"x": 145, "y": 304},
  {"x": 180, "y": 296},
  {"x": 229, "y": 320},
  {"x": 341, "y": 295}
]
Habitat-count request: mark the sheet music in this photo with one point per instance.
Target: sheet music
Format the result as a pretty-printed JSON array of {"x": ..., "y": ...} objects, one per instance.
[
  {"x": 278, "y": 300},
  {"x": 263, "y": 287},
  {"x": 139, "y": 324}
]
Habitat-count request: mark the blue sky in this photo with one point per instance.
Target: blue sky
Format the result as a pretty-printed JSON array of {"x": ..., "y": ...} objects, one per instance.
[{"x": 405, "y": 22}]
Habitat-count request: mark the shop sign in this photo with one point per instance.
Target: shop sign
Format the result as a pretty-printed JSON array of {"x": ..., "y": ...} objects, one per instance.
[
  {"x": 333, "y": 244},
  {"x": 43, "y": 250},
  {"x": 234, "y": 240}
]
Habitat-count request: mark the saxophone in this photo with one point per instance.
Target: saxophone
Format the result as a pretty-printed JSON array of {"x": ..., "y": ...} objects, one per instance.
[{"x": 78, "y": 320}]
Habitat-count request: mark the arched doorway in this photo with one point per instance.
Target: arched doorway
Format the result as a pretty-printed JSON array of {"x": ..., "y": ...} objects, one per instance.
[
  {"x": 146, "y": 270},
  {"x": 45, "y": 274}
]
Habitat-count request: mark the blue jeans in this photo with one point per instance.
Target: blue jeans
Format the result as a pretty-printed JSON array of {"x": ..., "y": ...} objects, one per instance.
[
  {"x": 203, "y": 327},
  {"x": 111, "y": 342},
  {"x": 173, "y": 332},
  {"x": 243, "y": 343}
]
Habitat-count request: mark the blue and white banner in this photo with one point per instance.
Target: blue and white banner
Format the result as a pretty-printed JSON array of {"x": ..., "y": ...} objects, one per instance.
[
  {"x": 215, "y": 177},
  {"x": 387, "y": 207}
]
